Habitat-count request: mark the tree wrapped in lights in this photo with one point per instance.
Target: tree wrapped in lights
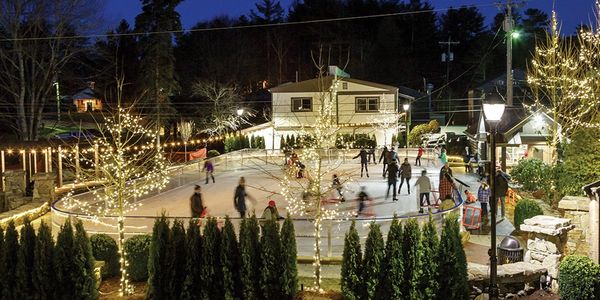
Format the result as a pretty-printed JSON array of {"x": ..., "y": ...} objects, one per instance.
[
  {"x": 129, "y": 164},
  {"x": 305, "y": 198},
  {"x": 186, "y": 129},
  {"x": 386, "y": 121},
  {"x": 564, "y": 79}
]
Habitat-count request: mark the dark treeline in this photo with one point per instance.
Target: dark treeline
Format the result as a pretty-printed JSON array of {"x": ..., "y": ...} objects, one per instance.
[{"x": 400, "y": 47}]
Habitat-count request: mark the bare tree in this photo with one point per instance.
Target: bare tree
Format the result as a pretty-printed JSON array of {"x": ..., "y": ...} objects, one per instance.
[
  {"x": 221, "y": 115},
  {"x": 37, "y": 39},
  {"x": 385, "y": 123}
]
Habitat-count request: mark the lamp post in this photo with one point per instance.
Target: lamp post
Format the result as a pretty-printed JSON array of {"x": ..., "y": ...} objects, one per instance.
[
  {"x": 406, "y": 107},
  {"x": 493, "y": 110}
]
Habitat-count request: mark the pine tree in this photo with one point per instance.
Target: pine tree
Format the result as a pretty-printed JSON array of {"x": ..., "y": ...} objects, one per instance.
[
  {"x": 158, "y": 277},
  {"x": 66, "y": 268},
  {"x": 452, "y": 263},
  {"x": 25, "y": 262},
  {"x": 192, "y": 289},
  {"x": 44, "y": 271},
  {"x": 289, "y": 259},
  {"x": 392, "y": 270},
  {"x": 212, "y": 269},
  {"x": 282, "y": 142},
  {"x": 177, "y": 259},
  {"x": 271, "y": 270},
  {"x": 429, "y": 284},
  {"x": 351, "y": 265},
  {"x": 11, "y": 250},
  {"x": 250, "y": 250},
  {"x": 372, "y": 261},
  {"x": 85, "y": 286},
  {"x": 412, "y": 255},
  {"x": 230, "y": 258}
]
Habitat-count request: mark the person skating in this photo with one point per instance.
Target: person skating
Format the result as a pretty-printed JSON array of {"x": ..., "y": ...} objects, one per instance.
[
  {"x": 362, "y": 199},
  {"x": 371, "y": 154},
  {"x": 196, "y": 204},
  {"x": 209, "y": 168},
  {"x": 364, "y": 161},
  {"x": 424, "y": 188},
  {"x": 483, "y": 195},
  {"x": 406, "y": 173},
  {"x": 419, "y": 155},
  {"x": 337, "y": 185},
  {"x": 501, "y": 188},
  {"x": 392, "y": 179},
  {"x": 443, "y": 157},
  {"x": 385, "y": 156},
  {"x": 446, "y": 182},
  {"x": 271, "y": 213},
  {"x": 239, "y": 198}
]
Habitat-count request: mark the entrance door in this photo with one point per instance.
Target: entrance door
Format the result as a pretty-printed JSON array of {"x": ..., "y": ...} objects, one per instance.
[{"x": 89, "y": 106}]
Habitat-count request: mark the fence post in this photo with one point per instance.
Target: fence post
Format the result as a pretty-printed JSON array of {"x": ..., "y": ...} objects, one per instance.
[{"x": 241, "y": 158}]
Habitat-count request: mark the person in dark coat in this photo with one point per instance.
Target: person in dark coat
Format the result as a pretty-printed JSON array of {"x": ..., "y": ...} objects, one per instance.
[
  {"x": 392, "y": 179},
  {"x": 385, "y": 155},
  {"x": 501, "y": 188},
  {"x": 196, "y": 204},
  {"x": 406, "y": 172},
  {"x": 239, "y": 198},
  {"x": 364, "y": 161},
  {"x": 363, "y": 197},
  {"x": 371, "y": 154}
]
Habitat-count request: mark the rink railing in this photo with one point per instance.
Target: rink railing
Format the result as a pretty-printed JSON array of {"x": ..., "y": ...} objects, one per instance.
[{"x": 332, "y": 231}]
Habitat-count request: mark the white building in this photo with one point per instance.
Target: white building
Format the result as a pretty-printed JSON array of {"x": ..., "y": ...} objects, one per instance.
[{"x": 360, "y": 107}]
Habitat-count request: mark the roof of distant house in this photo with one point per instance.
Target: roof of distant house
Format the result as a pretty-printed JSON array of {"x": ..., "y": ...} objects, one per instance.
[
  {"x": 519, "y": 76},
  {"x": 317, "y": 85},
  {"x": 87, "y": 93}
]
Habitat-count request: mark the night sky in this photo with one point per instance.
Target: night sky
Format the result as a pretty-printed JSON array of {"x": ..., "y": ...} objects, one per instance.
[{"x": 570, "y": 12}]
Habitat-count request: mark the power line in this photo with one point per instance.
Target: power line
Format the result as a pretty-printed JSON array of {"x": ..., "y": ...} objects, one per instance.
[{"x": 328, "y": 20}]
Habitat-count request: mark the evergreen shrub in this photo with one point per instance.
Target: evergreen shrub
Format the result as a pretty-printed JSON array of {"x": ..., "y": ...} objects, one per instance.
[
  {"x": 525, "y": 209},
  {"x": 212, "y": 153},
  {"x": 579, "y": 278},
  {"x": 533, "y": 174},
  {"x": 138, "y": 249},
  {"x": 351, "y": 265},
  {"x": 105, "y": 249},
  {"x": 452, "y": 263},
  {"x": 373, "y": 258}
]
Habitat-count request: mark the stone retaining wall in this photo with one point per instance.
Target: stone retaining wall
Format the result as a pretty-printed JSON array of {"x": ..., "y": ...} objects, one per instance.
[{"x": 577, "y": 210}]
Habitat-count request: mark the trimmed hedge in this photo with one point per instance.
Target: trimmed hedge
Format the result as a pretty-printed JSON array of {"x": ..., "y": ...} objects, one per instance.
[
  {"x": 105, "y": 249},
  {"x": 212, "y": 153},
  {"x": 579, "y": 278},
  {"x": 525, "y": 209},
  {"x": 533, "y": 174},
  {"x": 137, "y": 249}
]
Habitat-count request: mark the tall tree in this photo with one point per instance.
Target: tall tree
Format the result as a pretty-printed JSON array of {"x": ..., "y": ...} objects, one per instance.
[
  {"x": 85, "y": 286},
  {"x": 351, "y": 265},
  {"x": 288, "y": 252},
  {"x": 25, "y": 263},
  {"x": 373, "y": 259},
  {"x": 212, "y": 268},
  {"x": 392, "y": 270},
  {"x": 10, "y": 258},
  {"x": 412, "y": 254},
  {"x": 33, "y": 51},
  {"x": 158, "y": 276},
  {"x": 429, "y": 285},
  {"x": 250, "y": 250},
  {"x": 177, "y": 259},
  {"x": 44, "y": 268},
  {"x": 230, "y": 258},
  {"x": 157, "y": 65},
  {"x": 452, "y": 260},
  {"x": 267, "y": 12},
  {"x": 271, "y": 268},
  {"x": 191, "y": 287}
]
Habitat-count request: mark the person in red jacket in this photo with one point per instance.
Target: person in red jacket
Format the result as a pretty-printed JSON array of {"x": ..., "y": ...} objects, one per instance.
[{"x": 419, "y": 155}]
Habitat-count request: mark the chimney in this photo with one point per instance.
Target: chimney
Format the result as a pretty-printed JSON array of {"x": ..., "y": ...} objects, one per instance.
[{"x": 91, "y": 84}]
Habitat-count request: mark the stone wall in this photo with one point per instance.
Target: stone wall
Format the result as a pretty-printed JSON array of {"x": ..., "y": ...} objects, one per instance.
[
  {"x": 43, "y": 189},
  {"x": 546, "y": 242},
  {"x": 577, "y": 210},
  {"x": 15, "y": 189}
]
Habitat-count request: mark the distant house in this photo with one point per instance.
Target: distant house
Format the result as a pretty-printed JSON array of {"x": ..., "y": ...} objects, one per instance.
[
  {"x": 360, "y": 107},
  {"x": 520, "y": 135},
  {"x": 87, "y": 99}
]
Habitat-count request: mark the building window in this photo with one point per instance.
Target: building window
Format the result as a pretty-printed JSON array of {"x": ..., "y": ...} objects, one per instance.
[
  {"x": 367, "y": 104},
  {"x": 302, "y": 104}
]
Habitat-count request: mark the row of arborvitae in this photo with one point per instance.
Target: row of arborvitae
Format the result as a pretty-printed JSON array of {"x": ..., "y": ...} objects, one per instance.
[
  {"x": 215, "y": 265},
  {"x": 33, "y": 267},
  {"x": 411, "y": 265}
]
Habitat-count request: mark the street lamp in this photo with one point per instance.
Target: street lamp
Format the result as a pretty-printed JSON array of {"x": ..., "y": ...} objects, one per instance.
[
  {"x": 240, "y": 112},
  {"x": 406, "y": 107},
  {"x": 493, "y": 110}
]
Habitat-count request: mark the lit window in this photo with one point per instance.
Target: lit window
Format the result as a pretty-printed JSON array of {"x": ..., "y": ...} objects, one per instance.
[
  {"x": 367, "y": 104},
  {"x": 302, "y": 104}
]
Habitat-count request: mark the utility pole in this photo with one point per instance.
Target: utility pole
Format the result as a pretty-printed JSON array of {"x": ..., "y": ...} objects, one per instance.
[
  {"x": 57, "y": 96},
  {"x": 448, "y": 57},
  {"x": 508, "y": 27}
]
